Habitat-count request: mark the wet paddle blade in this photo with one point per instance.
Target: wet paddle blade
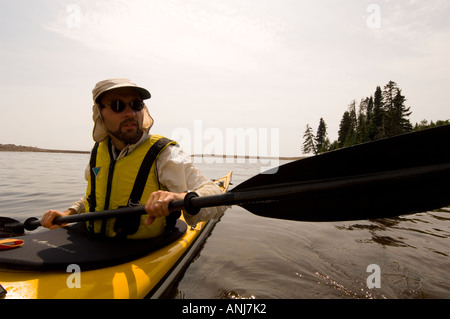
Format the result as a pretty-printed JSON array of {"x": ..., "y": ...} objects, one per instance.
[{"x": 358, "y": 197}]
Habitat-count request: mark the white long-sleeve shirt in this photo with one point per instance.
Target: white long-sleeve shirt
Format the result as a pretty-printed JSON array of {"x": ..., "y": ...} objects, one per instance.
[{"x": 178, "y": 174}]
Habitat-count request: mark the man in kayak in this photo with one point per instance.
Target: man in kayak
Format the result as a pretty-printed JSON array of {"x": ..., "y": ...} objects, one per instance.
[{"x": 130, "y": 166}]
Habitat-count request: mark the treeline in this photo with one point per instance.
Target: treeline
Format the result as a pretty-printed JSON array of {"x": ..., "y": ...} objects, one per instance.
[{"x": 379, "y": 116}]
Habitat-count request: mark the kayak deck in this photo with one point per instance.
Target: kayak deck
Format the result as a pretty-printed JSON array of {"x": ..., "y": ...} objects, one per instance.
[
  {"x": 132, "y": 269},
  {"x": 55, "y": 250}
]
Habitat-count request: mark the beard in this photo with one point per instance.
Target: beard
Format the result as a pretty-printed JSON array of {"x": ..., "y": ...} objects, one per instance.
[{"x": 130, "y": 136}]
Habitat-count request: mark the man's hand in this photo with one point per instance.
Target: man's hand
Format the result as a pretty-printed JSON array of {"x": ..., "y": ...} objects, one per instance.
[
  {"x": 158, "y": 204},
  {"x": 48, "y": 217}
]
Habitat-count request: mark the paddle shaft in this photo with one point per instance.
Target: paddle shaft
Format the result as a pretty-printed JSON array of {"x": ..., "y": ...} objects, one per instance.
[
  {"x": 261, "y": 196},
  {"x": 32, "y": 223}
]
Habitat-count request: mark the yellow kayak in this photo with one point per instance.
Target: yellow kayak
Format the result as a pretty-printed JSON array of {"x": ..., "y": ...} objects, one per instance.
[{"x": 110, "y": 269}]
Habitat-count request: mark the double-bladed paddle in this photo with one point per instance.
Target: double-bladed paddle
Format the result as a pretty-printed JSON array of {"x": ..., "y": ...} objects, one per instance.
[{"x": 408, "y": 173}]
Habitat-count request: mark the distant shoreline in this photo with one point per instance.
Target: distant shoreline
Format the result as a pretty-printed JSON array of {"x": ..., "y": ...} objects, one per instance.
[{"x": 21, "y": 148}]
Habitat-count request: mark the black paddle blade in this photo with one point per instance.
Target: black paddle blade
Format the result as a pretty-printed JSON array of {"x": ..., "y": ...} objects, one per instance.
[
  {"x": 404, "y": 174},
  {"x": 10, "y": 227}
]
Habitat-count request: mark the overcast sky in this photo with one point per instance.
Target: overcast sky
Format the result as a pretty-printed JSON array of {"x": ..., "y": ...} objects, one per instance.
[{"x": 271, "y": 66}]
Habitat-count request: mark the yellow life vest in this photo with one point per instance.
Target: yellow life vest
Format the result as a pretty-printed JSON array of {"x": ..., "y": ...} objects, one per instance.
[{"x": 124, "y": 182}]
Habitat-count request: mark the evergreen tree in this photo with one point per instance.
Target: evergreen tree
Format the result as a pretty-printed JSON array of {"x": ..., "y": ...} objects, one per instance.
[
  {"x": 370, "y": 128},
  {"x": 389, "y": 119},
  {"x": 376, "y": 125},
  {"x": 369, "y": 111},
  {"x": 347, "y": 134},
  {"x": 308, "y": 141},
  {"x": 322, "y": 141},
  {"x": 345, "y": 130},
  {"x": 396, "y": 113},
  {"x": 401, "y": 114},
  {"x": 362, "y": 130},
  {"x": 352, "y": 137}
]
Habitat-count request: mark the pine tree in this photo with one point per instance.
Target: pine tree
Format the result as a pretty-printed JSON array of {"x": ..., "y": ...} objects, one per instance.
[
  {"x": 345, "y": 130},
  {"x": 362, "y": 128},
  {"x": 352, "y": 137},
  {"x": 370, "y": 129},
  {"x": 389, "y": 119},
  {"x": 309, "y": 141},
  {"x": 377, "y": 128},
  {"x": 396, "y": 113},
  {"x": 322, "y": 141},
  {"x": 401, "y": 114},
  {"x": 347, "y": 134}
]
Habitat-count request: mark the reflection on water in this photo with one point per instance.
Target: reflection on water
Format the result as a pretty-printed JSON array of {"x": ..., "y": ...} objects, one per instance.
[
  {"x": 248, "y": 256},
  {"x": 233, "y": 295}
]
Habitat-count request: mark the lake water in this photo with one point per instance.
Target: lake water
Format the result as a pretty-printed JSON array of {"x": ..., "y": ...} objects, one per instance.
[{"x": 248, "y": 256}]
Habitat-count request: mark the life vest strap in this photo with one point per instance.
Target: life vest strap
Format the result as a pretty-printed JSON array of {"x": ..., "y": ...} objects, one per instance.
[{"x": 144, "y": 170}]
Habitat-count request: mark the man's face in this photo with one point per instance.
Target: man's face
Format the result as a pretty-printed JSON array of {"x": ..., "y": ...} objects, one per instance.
[{"x": 126, "y": 126}]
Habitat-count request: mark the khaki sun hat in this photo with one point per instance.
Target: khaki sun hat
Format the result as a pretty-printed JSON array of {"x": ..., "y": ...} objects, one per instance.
[{"x": 100, "y": 132}]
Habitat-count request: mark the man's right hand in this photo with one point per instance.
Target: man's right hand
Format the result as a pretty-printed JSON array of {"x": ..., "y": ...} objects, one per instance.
[{"x": 48, "y": 217}]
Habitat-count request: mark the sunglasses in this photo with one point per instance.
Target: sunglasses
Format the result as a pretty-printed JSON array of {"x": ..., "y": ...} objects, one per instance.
[{"x": 118, "y": 106}]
